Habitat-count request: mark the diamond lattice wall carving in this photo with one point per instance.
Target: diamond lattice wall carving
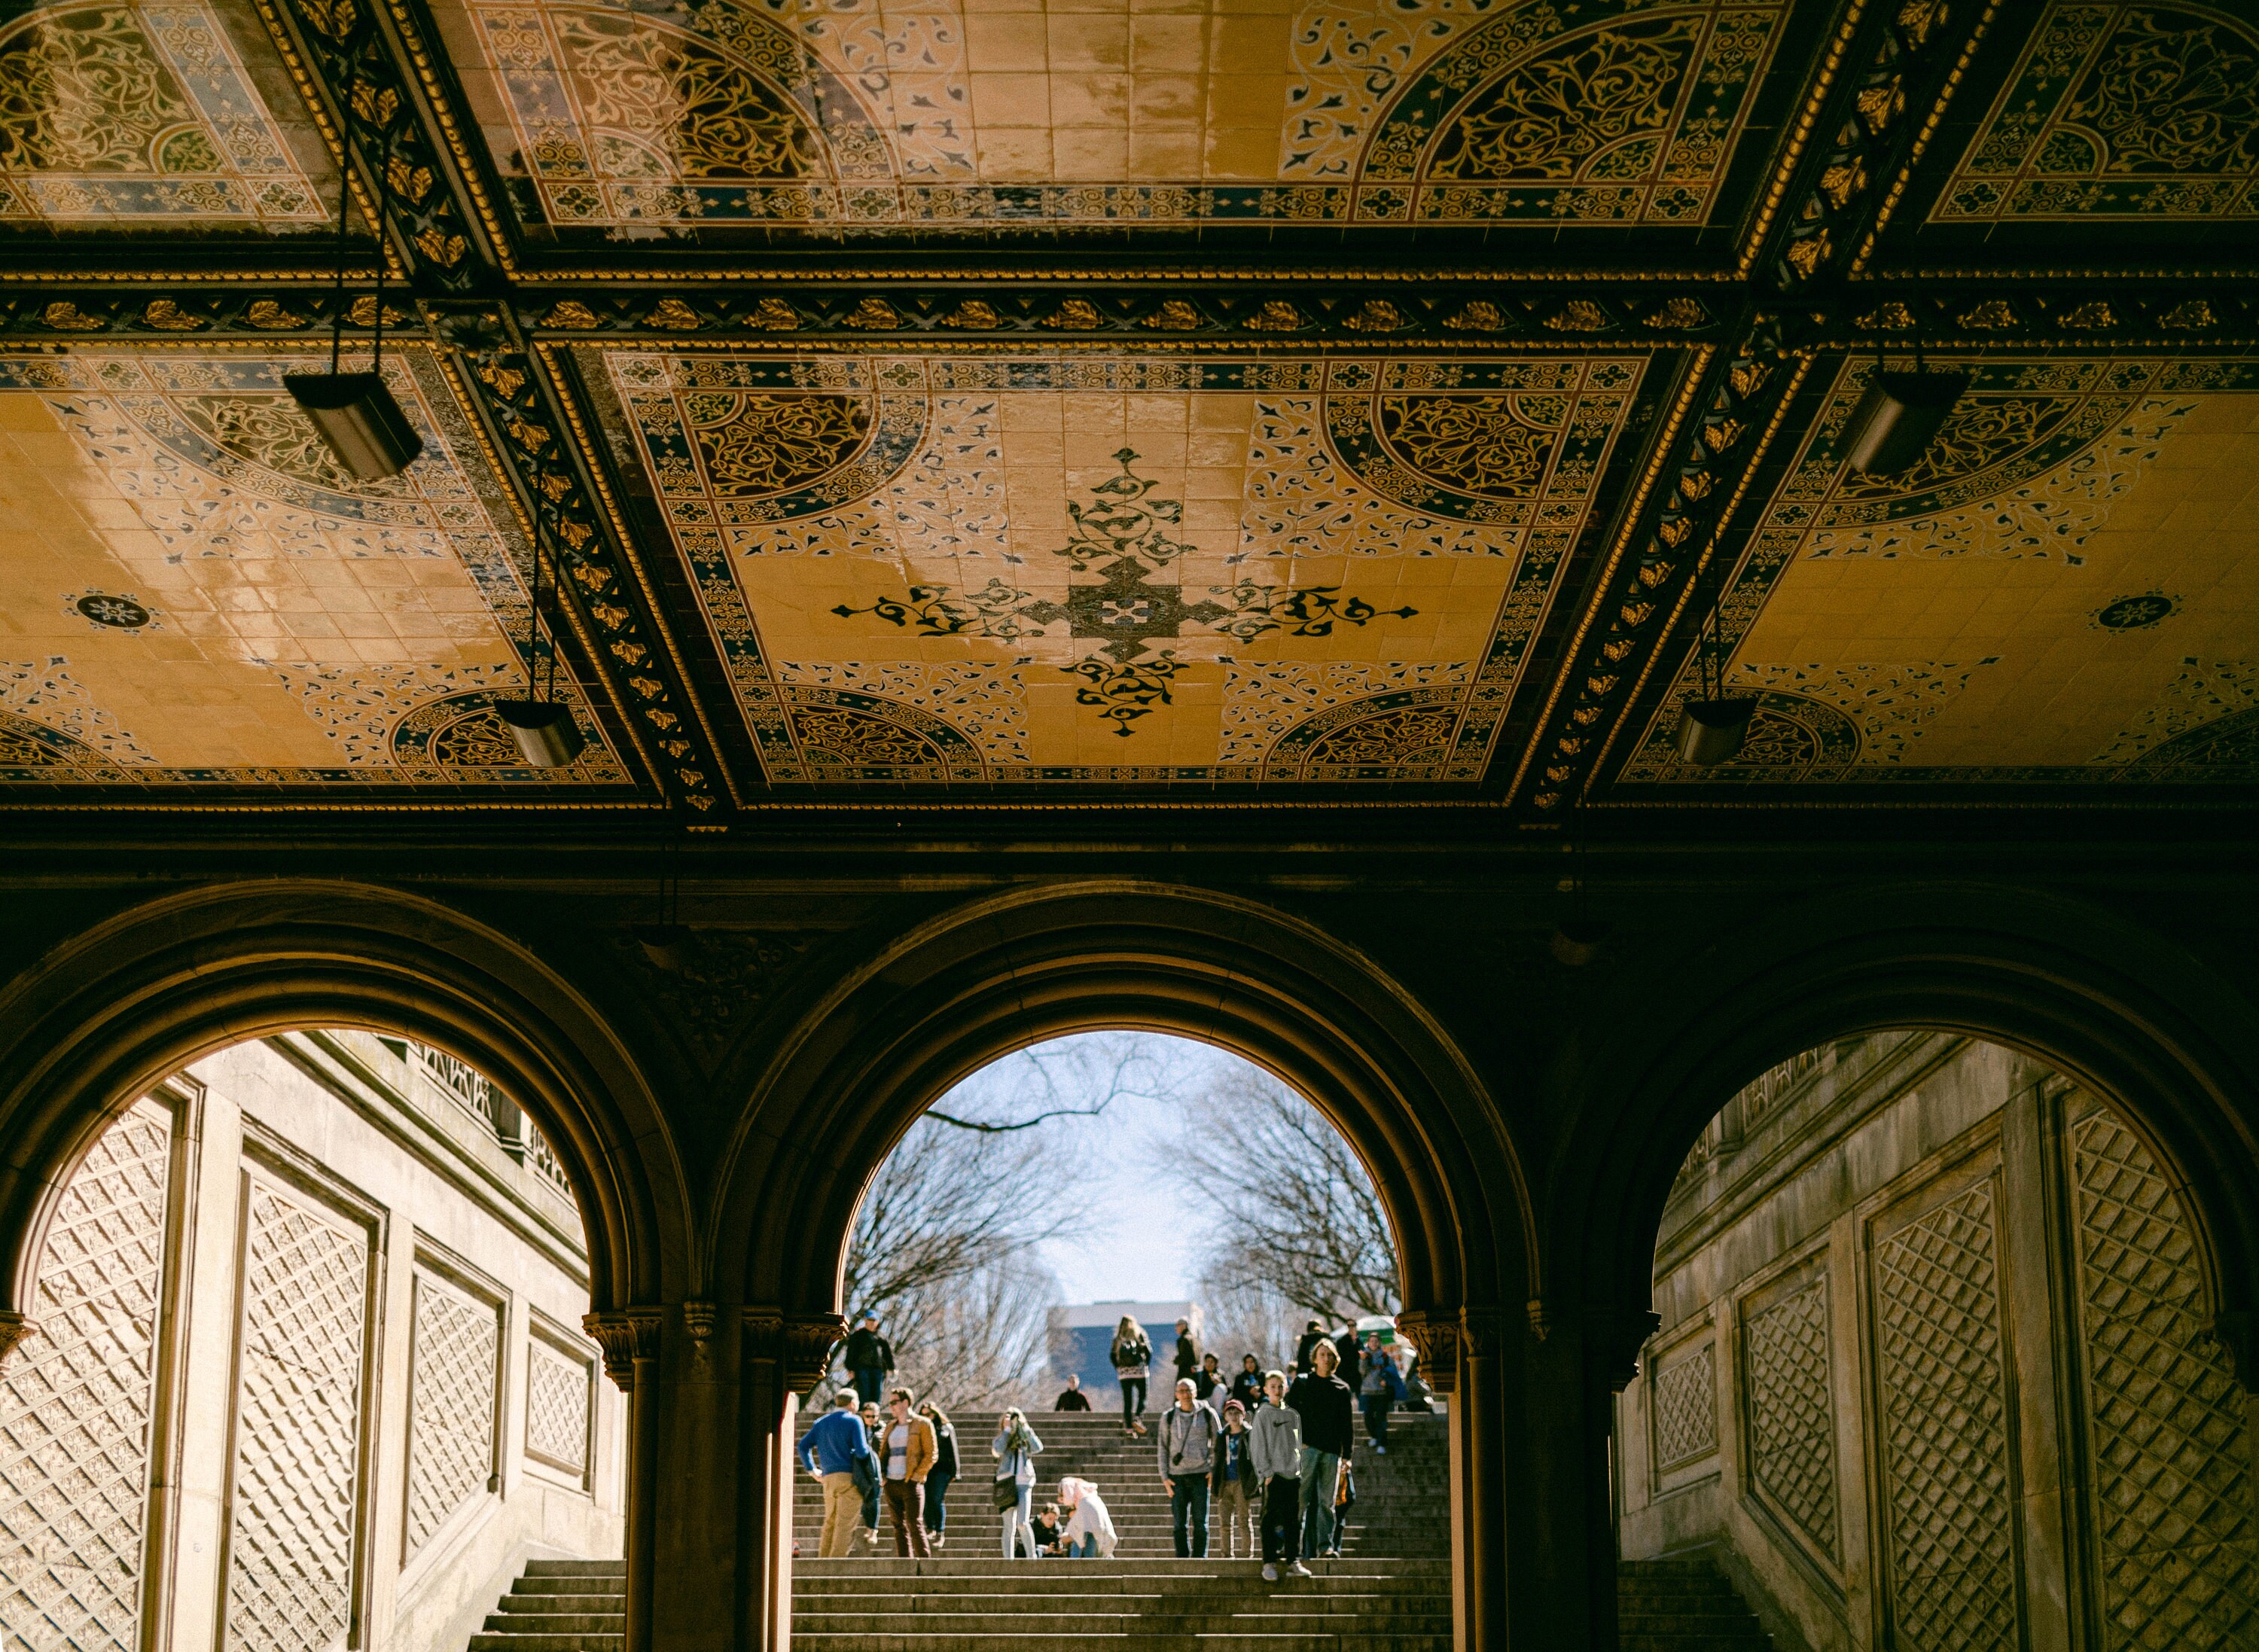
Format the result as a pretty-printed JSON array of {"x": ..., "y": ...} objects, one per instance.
[
  {"x": 1686, "y": 1407},
  {"x": 2176, "y": 1534},
  {"x": 1951, "y": 1575},
  {"x": 1792, "y": 1412},
  {"x": 556, "y": 1408},
  {"x": 291, "y": 1562},
  {"x": 452, "y": 1406},
  {"x": 75, "y": 1403}
]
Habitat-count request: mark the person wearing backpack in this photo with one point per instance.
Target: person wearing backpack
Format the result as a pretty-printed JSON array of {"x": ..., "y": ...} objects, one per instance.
[
  {"x": 1132, "y": 1354},
  {"x": 1378, "y": 1391},
  {"x": 1187, "y": 1452}
]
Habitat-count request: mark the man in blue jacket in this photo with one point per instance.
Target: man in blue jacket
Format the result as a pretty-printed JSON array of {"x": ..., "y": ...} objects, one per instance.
[{"x": 829, "y": 1451}]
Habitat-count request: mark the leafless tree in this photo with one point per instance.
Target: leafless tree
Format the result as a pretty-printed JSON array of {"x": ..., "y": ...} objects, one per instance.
[
  {"x": 945, "y": 1242},
  {"x": 1296, "y": 1227}
]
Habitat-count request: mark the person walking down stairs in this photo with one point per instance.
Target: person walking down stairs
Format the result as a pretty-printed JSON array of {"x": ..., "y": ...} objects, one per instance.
[
  {"x": 1016, "y": 1447},
  {"x": 1188, "y": 1456},
  {"x": 1233, "y": 1495},
  {"x": 1132, "y": 1354},
  {"x": 1274, "y": 1451},
  {"x": 1322, "y": 1401},
  {"x": 944, "y": 1471},
  {"x": 1378, "y": 1392},
  {"x": 870, "y": 1360}
]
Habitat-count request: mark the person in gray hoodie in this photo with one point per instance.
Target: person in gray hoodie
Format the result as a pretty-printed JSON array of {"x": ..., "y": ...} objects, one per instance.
[
  {"x": 1274, "y": 1451},
  {"x": 1188, "y": 1442}
]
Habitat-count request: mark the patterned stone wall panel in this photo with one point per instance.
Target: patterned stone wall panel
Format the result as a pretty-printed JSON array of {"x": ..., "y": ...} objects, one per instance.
[
  {"x": 76, "y": 1399},
  {"x": 1950, "y": 1570},
  {"x": 2176, "y": 1532},
  {"x": 1790, "y": 1407},
  {"x": 294, "y": 1539},
  {"x": 1686, "y": 1407},
  {"x": 451, "y": 1429},
  {"x": 557, "y": 1394}
]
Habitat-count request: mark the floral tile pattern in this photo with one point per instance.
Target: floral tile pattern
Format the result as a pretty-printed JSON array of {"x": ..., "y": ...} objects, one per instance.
[
  {"x": 881, "y": 114},
  {"x": 950, "y": 569},
  {"x": 1980, "y": 617},
  {"x": 196, "y": 594}
]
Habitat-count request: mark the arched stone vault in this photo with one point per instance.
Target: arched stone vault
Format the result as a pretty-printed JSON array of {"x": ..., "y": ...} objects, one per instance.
[{"x": 2145, "y": 1022}]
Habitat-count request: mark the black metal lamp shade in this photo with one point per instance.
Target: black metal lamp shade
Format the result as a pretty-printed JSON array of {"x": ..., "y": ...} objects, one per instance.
[
  {"x": 359, "y": 418},
  {"x": 670, "y": 946},
  {"x": 545, "y": 733},
  {"x": 1898, "y": 418},
  {"x": 1711, "y": 730}
]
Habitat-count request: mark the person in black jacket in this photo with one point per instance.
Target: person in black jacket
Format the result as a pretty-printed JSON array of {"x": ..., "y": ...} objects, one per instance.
[
  {"x": 1072, "y": 1398},
  {"x": 1313, "y": 1334},
  {"x": 1187, "y": 1350},
  {"x": 1323, "y": 1402},
  {"x": 1247, "y": 1386},
  {"x": 870, "y": 1360},
  {"x": 938, "y": 1476}
]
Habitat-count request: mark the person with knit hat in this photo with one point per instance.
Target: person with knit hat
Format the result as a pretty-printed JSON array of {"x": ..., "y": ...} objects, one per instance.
[{"x": 1237, "y": 1497}]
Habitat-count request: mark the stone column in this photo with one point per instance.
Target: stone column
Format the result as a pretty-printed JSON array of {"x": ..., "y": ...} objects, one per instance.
[
  {"x": 1459, "y": 1358},
  {"x": 630, "y": 1340},
  {"x": 785, "y": 1356}
]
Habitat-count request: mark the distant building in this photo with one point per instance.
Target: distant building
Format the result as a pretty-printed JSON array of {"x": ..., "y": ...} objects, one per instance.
[{"x": 1082, "y": 1338}]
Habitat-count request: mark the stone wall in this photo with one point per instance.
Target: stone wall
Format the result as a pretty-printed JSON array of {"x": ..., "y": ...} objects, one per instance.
[
  {"x": 308, "y": 1371},
  {"x": 1933, "y": 1371}
]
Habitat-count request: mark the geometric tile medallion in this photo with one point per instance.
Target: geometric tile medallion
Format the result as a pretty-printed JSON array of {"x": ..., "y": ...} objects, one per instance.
[
  {"x": 2145, "y": 112},
  {"x": 193, "y": 592},
  {"x": 2065, "y": 588},
  {"x": 1153, "y": 567},
  {"x": 137, "y": 114},
  {"x": 880, "y": 114}
]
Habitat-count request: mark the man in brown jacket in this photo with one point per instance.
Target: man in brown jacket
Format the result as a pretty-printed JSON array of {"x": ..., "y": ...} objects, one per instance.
[{"x": 910, "y": 1451}]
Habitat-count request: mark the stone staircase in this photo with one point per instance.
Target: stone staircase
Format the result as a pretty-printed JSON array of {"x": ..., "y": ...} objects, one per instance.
[
  {"x": 1682, "y": 1605},
  {"x": 1391, "y": 1592}
]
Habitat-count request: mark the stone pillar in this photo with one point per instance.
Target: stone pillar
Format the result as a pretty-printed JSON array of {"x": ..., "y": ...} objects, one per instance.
[
  {"x": 1563, "y": 1557},
  {"x": 1459, "y": 1357},
  {"x": 630, "y": 1339},
  {"x": 785, "y": 1356}
]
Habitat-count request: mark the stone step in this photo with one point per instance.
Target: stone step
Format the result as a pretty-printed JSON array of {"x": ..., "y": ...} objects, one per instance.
[
  {"x": 1682, "y": 1607},
  {"x": 557, "y": 1622},
  {"x": 1004, "y": 1637}
]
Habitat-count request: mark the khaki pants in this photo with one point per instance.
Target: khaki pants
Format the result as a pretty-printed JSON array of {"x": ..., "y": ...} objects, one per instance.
[
  {"x": 842, "y": 1512},
  {"x": 1235, "y": 1523}
]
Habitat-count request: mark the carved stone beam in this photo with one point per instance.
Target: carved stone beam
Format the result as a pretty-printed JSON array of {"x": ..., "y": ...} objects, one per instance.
[
  {"x": 626, "y": 1336},
  {"x": 1612, "y": 1337},
  {"x": 801, "y": 1342}
]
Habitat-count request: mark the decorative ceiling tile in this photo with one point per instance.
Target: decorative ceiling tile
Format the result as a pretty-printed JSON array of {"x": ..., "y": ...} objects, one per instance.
[
  {"x": 2146, "y": 112},
  {"x": 132, "y": 114},
  {"x": 1982, "y": 617},
  {"x": 946, "y": 569},
  {"x": 877, "y": 116},
  {"x": 197, "y": 596}
]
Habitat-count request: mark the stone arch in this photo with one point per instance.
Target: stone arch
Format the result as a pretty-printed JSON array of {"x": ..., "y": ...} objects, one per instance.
[
  {"x": 985, "y": 980},
  {"x": 104, "y": 1015},
  {"x": 2138, "y": 1020}
]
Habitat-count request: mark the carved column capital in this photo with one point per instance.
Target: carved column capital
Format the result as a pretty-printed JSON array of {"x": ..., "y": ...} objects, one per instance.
[
  {"x": 14, "y": 1329},
  {"x": 1434, "y": 1332},
  {"x": 801, "y": 1342},
  {"x": 1612, "y": 1337},
  {"x": 626, "y": 1336},
  {"x": 698, "y": 1320}
]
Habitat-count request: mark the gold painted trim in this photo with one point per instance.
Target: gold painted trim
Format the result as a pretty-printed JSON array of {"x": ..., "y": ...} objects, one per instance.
[
  {"x": 625, "y": 540},
  {"x": 652, "y": 771},
  {"x": 1041, "y": 346},
  {"x": 1777, "y": 191},
  {"x": 1166, "y": 275},
  {"x": 466, "y": 166},
  {"x": 1922, "y": 139},
  {"x": 191, "y": 806},
  {"x": 1702, "y": 566},
  {"x": 1666, "y": 444}
]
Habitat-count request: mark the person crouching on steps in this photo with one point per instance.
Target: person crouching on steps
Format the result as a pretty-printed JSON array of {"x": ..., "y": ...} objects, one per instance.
[
  {"x": 1274, "y": 1451},
  {"x": 1089, "y": 1534},
  {"x": 1015, "y": 1450},
  {"x": 910, "y": 1455},
  {"x": 1187, "y": 1449}
]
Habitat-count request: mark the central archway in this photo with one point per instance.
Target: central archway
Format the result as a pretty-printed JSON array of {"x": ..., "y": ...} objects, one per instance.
[{"x": 993, "y": 978}]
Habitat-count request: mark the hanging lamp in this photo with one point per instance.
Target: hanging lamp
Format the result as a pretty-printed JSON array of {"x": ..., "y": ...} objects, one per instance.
[
  {"x": 1899, "y": 416},
  {"x": 543, "y": 726},
  {"x": 358, "y": 418},
  {"x": 1711, "y": 729}
]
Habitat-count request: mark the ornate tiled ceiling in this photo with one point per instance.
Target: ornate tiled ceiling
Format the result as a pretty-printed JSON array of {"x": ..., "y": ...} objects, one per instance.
[{"x": 1200, "y": 402}]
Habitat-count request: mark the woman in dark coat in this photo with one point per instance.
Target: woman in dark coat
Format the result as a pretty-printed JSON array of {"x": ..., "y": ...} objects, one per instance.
[{"x": 938, "y": 1476}]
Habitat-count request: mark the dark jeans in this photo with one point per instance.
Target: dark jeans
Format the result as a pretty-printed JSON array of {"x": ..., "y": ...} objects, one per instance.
[
  {"x": 1188, "y": 1507},
  {"x": 1133, "y": 1399},
  {"x": 1377, "y": 1407},
  {"x": 871, "y": 1500},
  {"x": 870, "y": 1383},
  {"x": 906, "y": 1504},
  {"x": 937, "y": 1510},
  {"x": 1282, "y": 1518}
]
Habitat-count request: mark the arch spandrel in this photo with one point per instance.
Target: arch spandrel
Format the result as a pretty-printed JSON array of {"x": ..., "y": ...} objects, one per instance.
[
  {"x": 101, "y": 1017},
  {"x": 983, "y": 981},
  {"x": 2134, "y": 1018}
]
